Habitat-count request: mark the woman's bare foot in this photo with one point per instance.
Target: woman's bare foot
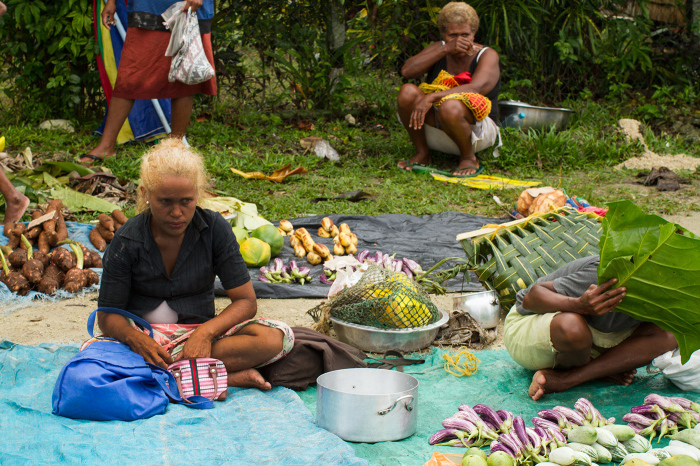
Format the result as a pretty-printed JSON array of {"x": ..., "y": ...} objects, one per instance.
[
  {"x": 547, "y": 381},
  {"x": 248, "y": 378},
  {"x": 15, "y": 206},
  {"x": 623, "y": 378},
  {"x": 467, "y": 167},
  {"x": 423, "y": 159}
]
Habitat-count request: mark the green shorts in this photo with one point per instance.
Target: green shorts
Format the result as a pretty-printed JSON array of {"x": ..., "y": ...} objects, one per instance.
[{"x": 528, "y": 341}]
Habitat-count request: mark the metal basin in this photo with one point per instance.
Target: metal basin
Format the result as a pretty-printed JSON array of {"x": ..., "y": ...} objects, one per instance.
[
  {"x": 484, "y": 307},
  {"x": 535, "y": 117},
  {"x": 367, "y": 405},
  {"x": 380, "y": 340}
]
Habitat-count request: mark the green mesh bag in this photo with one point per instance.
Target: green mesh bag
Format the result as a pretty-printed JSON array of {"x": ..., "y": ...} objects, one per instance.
[
  {"x": 515, "y": 255},
  {"x": 381, "y": 298}
]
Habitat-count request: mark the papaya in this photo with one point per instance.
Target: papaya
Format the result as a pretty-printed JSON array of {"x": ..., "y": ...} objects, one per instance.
[
  {"x": 241, "y": 234},
  {"x": 255, "y": 252},
  {"x": 679, "y": 460},
  {"x": 270, "y": 235}
]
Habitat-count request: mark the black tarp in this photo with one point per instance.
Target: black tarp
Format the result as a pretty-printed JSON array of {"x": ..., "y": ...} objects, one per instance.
[{"x": 427, "y": 240}]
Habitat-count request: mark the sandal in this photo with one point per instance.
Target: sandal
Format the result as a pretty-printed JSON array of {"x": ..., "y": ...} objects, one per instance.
[
  {"x": 88, "y": 156},
  {"x": 479, "y": 171},
  {"x": 421, "y": 168}
]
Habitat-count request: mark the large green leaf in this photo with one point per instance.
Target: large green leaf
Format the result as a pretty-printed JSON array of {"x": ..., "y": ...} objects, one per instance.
[
  {"x": 659, "y": 263},
  {"x": 80, "y": 202}
]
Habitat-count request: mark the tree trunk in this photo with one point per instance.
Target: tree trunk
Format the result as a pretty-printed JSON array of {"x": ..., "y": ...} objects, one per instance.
[{"x": 335, "y": 35}]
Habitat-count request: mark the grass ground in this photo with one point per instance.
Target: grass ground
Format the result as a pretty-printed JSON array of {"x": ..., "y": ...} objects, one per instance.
[{"x": 580, "y": 160}]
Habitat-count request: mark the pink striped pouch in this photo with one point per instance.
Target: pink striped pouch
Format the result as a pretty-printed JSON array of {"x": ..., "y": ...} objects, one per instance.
[{"x": 206, "y": 377}]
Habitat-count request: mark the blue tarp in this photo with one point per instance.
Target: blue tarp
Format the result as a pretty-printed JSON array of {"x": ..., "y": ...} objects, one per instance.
[{"x": 250, "y": 427}]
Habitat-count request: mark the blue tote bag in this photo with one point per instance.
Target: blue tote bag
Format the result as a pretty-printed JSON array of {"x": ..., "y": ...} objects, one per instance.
[{"x": 107, "y": 381}]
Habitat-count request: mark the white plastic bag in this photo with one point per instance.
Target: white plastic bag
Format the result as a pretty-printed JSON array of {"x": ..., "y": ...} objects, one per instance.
[
  {"x": 189, "y": 64},
  {"x": 684, "y": 376}
]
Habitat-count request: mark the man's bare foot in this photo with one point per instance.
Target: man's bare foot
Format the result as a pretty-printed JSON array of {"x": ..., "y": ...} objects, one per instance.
[
  {"x": 248, "y": 378},
  {"x": 623, "y": 378},
  {"x": 467, "y": 167},
  {"x": 547, "y": 381},
  {"x": 418, "y": 158},
  {"x": 15, "y": 206}
]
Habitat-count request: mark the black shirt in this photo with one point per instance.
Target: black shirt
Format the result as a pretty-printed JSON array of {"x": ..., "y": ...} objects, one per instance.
[
  {"x": 134, "y": 276},
  {"x": 492, "y": 95}
]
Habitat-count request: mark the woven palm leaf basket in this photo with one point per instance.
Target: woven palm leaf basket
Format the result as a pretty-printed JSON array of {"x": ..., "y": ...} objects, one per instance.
[{"x": 512, "y": 256}]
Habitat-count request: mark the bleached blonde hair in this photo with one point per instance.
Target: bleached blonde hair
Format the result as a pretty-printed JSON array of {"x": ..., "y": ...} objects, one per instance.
[
  {"x": 169, "y": 158},
  {"x": 458, "y": 13}
]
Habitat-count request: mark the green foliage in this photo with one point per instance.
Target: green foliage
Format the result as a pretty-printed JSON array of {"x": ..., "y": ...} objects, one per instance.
[
  {"x": 657, "y": 262},
  {"x": 49, "y": 55}
]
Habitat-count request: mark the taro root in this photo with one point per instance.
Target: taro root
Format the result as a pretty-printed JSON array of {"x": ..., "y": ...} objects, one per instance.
[
  {"x": 48, "y": 286},
  {"x": 63, "y": 259},
  {"x": 41, "y": 257},
  {"x": 76, "y": 279},
  {"x": 91, "y": 277},
  {"x": 32, "y": 269},
  {"x": 18, "y": 258},
  {"x": 53, "y": 272},
  {"x": 15, "y": 281}
]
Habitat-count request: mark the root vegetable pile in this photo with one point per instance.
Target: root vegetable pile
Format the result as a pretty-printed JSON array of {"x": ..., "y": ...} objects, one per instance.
[
  {"x": 25, "y": 269},
  {"x": 103, "y": 233},
  {"x": 48, "y": 228}
]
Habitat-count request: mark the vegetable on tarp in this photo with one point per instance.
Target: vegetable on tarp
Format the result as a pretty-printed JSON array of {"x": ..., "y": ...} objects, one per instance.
[{"x": 658, "y": 262}]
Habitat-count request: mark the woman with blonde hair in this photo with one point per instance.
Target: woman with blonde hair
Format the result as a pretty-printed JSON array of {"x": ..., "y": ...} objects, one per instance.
[
  {"x": 161, "y": 266},
  {"x": 448, "y": 112}
]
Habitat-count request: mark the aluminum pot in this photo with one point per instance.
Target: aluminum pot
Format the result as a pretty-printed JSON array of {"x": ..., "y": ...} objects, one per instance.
[
  {"x": 538, "y": 118},
  {"x": 484, "y": 307},
  {"x": 367, "y": 405}
]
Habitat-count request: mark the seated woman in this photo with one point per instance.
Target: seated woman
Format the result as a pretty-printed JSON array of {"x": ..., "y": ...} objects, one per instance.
[
  {"x": 456, "y": 53},
  {"x": 161, "y": 266}
]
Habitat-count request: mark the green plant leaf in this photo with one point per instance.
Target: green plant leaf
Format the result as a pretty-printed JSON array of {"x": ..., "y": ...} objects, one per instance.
[
  {"x": 79, "y": 202},
  {"x": 659, "y": 264},
  {"x": 67, "y": 167}
]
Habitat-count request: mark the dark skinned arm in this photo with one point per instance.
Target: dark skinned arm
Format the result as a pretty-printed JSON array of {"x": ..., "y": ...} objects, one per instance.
[
  {"x": 116, "y": 326},
  {"x": 596, "y": 301},
  {"x": 243, "y": 307}
]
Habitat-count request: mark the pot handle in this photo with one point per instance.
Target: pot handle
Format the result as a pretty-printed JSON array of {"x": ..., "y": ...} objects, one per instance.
[{"x": 407, "y": 405}]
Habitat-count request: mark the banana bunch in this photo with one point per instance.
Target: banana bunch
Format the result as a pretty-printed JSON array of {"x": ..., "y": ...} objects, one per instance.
[
  {"x": 286, "y": 228},
  {"x": 345, "y": 242},
  {"x": 305, "y": 246}
]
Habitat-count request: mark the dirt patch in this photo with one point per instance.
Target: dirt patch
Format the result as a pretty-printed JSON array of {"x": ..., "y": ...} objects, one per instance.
[
  {"x": 65, "y": 321},
  {"x": 651, "y": 159}
]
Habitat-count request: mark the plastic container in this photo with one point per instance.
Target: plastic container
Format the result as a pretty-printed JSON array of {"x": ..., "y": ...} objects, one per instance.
[{"x": 514, "y": 121}]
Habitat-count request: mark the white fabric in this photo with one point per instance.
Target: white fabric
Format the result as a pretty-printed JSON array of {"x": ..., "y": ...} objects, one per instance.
[
  {"x": 484, "y": 135},
  {"x": 684, "y": 376},
  {"x": 163, "y": 314}
]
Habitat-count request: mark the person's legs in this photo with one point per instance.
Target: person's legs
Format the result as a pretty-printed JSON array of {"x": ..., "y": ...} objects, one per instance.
[
  {"x": 251, "y": 346},
  {"x": 181, "y": 109},
  {"x": 456, "y": 119},
  {"x": 117, "y": 114},
  {"x": 409, "y": 96},
  {"x": 16, "y": 203},
  {"x": 646, "y": 342}
]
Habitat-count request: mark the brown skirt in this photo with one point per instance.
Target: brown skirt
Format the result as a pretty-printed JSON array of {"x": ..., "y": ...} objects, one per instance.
[{"x": 143, "y": 69}]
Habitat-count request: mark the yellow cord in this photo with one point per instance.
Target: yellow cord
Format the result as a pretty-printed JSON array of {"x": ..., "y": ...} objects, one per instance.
[{"x": 455, "y": 365}]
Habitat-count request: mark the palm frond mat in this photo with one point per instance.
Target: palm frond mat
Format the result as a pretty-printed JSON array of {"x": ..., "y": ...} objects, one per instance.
[
  {"x": 512, "y": 256},
  {"x": 486, "y": 181}
]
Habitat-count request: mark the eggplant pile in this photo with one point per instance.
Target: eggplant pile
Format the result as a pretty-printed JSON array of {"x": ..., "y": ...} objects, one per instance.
[
  {"x": 475, "y": 426},
  {"x": 280, "y": 273},
  {"x": 661, "y": 415}
]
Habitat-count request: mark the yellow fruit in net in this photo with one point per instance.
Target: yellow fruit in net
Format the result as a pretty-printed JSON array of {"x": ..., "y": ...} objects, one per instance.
[{"x": 403, "y": 311}]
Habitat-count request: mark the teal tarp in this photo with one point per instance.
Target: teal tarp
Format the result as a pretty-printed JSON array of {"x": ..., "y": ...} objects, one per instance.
[
  {"x": 250, "y": 427},
  {"x": 501, "y": 383}
]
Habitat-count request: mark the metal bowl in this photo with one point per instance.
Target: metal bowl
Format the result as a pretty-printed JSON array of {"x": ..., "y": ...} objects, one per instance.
[
  {"x": 380, "y": 340},
  {"x": 484, "y": 307},
  {"x": 535, "y": 117}
]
